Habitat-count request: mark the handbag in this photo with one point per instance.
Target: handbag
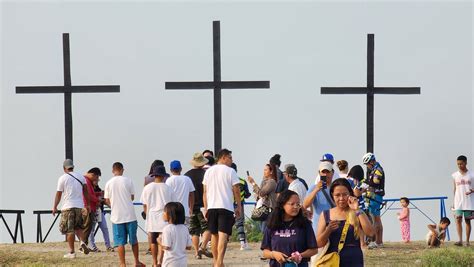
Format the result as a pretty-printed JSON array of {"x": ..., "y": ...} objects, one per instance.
[
  {"x": 260, "y": 212},
  {"x": 332, "y": 259}
]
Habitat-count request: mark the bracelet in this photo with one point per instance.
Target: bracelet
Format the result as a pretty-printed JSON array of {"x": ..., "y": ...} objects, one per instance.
[{"x": 358, "y": 212}]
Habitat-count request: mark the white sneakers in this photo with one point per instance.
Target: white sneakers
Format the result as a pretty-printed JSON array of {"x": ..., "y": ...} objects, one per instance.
[
  {"x": 245, "y": 246},
  {"x": 70, "y": 256},
  {"x": 373, "y": 245}
]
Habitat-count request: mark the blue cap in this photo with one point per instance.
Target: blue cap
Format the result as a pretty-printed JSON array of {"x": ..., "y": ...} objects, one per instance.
[
  {"x": 327, "y": 157},
  {"x": 175, "y": 165}
]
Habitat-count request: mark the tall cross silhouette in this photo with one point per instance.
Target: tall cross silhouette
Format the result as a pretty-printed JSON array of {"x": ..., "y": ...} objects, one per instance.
[
  {"x": 67, "y": 89},
  {"x": 370, "y": 90},
  {"x": 217, "y": 85}
]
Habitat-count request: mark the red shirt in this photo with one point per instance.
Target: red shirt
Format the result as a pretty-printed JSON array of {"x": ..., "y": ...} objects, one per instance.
[{"x": 94, "y": 201}]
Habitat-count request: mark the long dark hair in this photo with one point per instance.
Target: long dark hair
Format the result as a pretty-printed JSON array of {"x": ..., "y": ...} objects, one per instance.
[
  {"x": 275, "y": 221},
  {"x": 274, "y": 171},
  {"x": 356, "y": 172}
]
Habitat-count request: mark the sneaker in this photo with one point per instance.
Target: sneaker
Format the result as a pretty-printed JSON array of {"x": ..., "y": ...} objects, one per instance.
[
  {"x": 372, "y": 245},
  {"x": 70, "y": 256},
  {"x": 84, "y": 248},
  {"x": 380, "y": 245},
  {"x": 110, "y": 249},
  {"x": 245, "y": 246},
  {"x": 148, "y": 252},
  {"x": 96, "y": 250},
  {"x": 205, "y": 252}
]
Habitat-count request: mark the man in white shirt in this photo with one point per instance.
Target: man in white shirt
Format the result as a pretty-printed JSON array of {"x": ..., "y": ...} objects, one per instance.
[
  {"x": 463, "y": 181},
  {"x": 71, "y": 187},
  {"x": 221, "y": 189},
  {"x": 295, "y": 184},
  {"x": 119, "y": 194},
  {"x": 183, "y": 188}
]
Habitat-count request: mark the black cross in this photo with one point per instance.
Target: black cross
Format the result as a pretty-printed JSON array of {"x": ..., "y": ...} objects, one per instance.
[
  {"x": 217, "y": 84},
  {"x": 67, "y": 90},
  {"x": 370, "y": 90}
]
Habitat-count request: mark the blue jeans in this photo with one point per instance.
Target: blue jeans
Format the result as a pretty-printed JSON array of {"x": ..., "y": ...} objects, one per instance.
[{"x": 105, "y": 232}]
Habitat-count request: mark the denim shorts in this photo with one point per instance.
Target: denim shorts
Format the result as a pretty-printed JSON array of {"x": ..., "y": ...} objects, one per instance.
[{"x": 122, "y": 231}]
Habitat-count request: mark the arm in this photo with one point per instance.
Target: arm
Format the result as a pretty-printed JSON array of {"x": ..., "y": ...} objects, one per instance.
[
  {"x": 107, "y": 202},
  {"x": 236, "y": 191},
  {"x": 432, "y": 228},
  {"x": 308, "y": 201},
  {"x": 145, "y": 208},
  {"x": 404, "y": 214},
  {"x": 365, "y": 224},
  {"x": 267, "y": 189},
  {"x": 191, "y": 203},
  {"x": 85, "y": 192},
  {"x": 133, "y": 197},
  {"x": 309, "y": 252},
  {"x": 324, "y": 231},
  {"x": 276, "y": 255},
  {"x": 57, "y": 199}
]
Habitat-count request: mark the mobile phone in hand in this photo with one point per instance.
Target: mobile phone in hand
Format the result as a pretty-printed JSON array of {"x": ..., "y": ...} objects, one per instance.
[{"x": 248, "y": 174}]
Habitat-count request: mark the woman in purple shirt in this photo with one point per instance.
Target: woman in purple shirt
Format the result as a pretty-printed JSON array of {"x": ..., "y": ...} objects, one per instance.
[{"x": 289, "y": 238}]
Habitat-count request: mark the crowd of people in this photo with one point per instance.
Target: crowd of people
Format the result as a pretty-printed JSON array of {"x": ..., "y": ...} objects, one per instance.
[{"x": 337, "y": 215}]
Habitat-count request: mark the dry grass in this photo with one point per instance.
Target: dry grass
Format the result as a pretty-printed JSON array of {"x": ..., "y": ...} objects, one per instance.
[{"x": 50, "y": 254}]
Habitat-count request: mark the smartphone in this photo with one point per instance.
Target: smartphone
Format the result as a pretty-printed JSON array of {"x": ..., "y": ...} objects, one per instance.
[
  {"x": 324, "y": 180},
  {"x": 248, "y": 174}
]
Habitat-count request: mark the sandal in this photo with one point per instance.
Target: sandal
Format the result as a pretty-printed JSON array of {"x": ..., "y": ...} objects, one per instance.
[
  {"x": 198, "y": 256},
  {"x": 459, "y": 244}
]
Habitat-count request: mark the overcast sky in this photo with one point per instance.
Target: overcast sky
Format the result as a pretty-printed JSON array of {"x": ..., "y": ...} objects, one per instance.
[{"x": 297, "y": 46}]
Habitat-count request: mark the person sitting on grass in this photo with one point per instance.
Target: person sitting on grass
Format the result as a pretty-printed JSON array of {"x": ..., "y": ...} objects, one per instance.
[{"x": 437, "y": 234}]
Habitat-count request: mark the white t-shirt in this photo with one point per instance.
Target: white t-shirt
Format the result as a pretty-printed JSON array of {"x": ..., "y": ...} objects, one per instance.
[
  {"x": 177, "y": 238},
  {"x": 119, "y": 190},
  {"x": 182, "y": 185},
  {"x": 219, "y": 180},
  {"x": 155, "y": 196},
  {"x": 298, "y": 187},
  {"x": 72, "y": 190},
  {"x": 464, "y": 183}
]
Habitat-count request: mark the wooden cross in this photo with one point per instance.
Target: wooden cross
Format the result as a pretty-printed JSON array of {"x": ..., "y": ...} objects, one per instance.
[
  {"x": 217, "y": 84},
  {"x": 67, "y": 90},
  {"x": 370, "y": 90}
]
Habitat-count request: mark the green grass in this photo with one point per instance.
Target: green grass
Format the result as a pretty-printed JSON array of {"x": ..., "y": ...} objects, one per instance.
[
  {"x": 252, "y": 232},
  {"x": 450, "y": 256}
]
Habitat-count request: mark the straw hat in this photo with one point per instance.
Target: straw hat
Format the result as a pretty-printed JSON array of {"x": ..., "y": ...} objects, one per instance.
[{"x": 198, "y": 160}]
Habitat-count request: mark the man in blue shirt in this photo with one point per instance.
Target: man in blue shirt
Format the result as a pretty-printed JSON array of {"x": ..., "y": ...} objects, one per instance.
[{"x": 318, "y": 198}]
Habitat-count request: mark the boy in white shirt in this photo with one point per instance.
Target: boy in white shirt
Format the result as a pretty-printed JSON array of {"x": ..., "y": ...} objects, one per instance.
[
  {"x": 463, "y": 181},
  {"x": 119, "y": 194}
]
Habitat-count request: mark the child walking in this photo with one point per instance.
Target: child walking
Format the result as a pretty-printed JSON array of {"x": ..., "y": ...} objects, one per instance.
[
  {"x": 175, "y": 238},
  {"x": 404, "y": 217},
  {"x": 155, "y": 196}
]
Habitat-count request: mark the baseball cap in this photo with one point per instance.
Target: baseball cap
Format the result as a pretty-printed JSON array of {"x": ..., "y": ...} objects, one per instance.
[
  {"x": 327, "y": 157},
  {"x": 325, "y": 165},
  {"x": 175, "y": 165},
  {"x": 67, "y": 164}
]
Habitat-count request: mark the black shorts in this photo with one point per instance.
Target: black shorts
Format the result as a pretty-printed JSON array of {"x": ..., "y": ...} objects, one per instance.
[
  {"x": 220, "y": 220},
  {"x": 154, "y": 236}
]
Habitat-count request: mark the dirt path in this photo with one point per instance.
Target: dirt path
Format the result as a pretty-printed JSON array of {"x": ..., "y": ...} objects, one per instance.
[{"x": 48, "y": 254}]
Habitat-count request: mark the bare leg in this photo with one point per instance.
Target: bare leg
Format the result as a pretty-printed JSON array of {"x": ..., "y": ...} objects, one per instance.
[
  {"x": 121, "y": 252},
  {"x": 378, "y": 230},
  {"x": 70, "y": 241},
  {"x": 222, "y": 246},
  {"x": 154, "y": 253},
  {"x": 468, "y": 230},
  {"x": 459, "y": 228},
  {"x": 214, "y": 244},
  {"x": 195, "y": 239},
  {"x": 206, "y": 237},
  {"x": 160, "y": 254},
  {"x": 135, "y": 255}
]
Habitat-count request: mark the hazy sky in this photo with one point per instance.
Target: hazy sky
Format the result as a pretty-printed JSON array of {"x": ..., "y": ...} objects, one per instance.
[{"x": 298, "y": 46}]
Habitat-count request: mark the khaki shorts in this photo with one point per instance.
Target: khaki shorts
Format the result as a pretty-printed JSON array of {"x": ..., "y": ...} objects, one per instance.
[{"x": 71, "y": 220}]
